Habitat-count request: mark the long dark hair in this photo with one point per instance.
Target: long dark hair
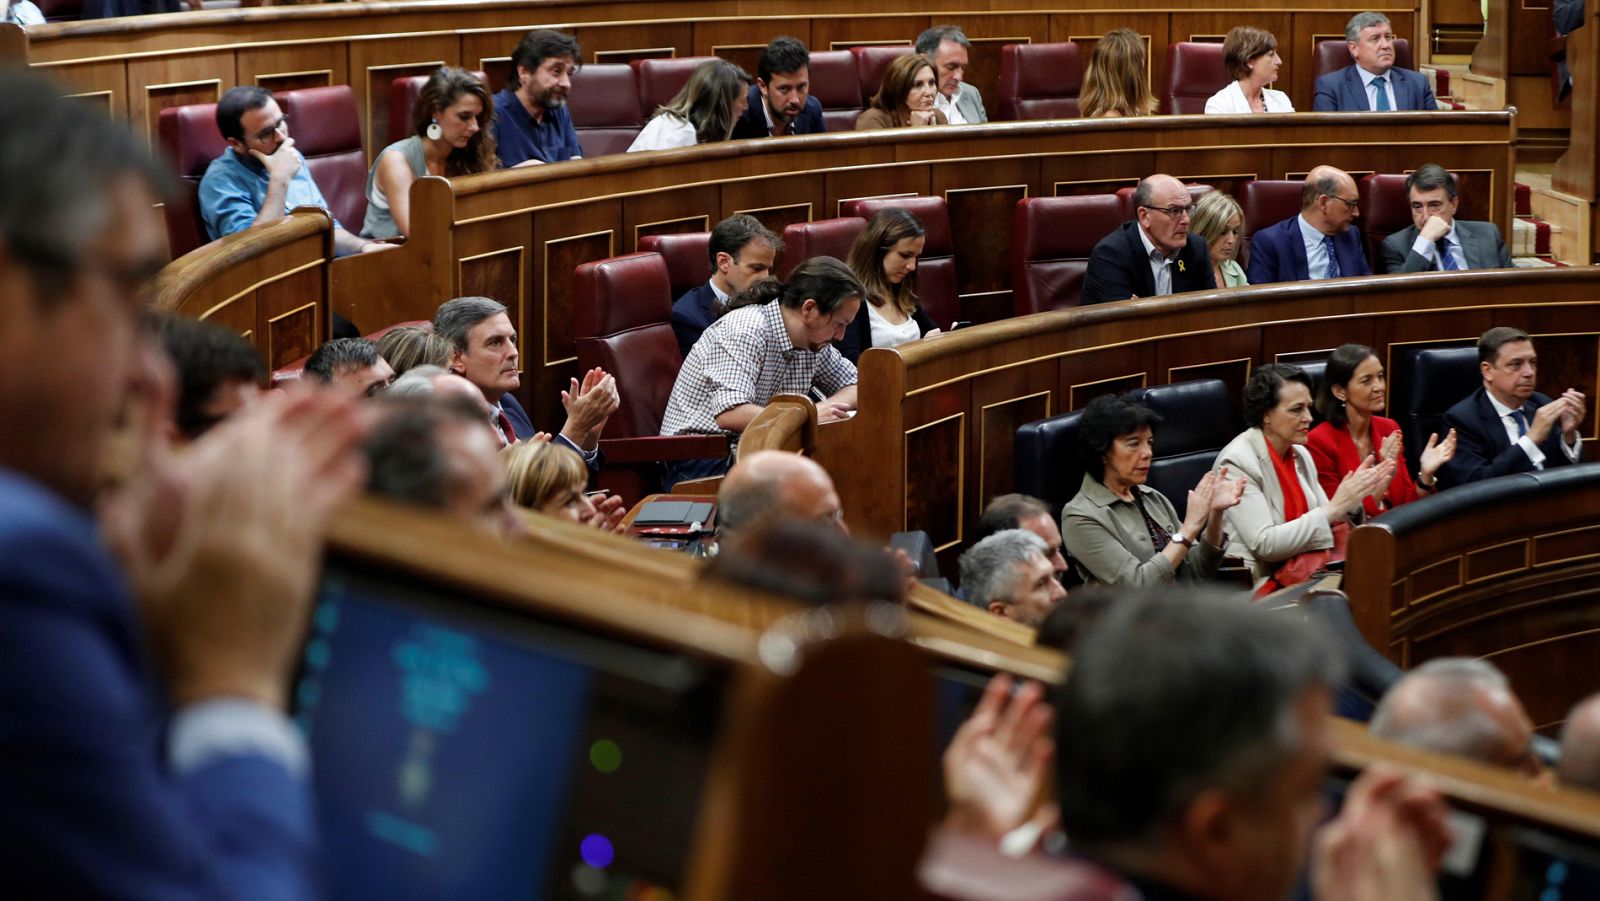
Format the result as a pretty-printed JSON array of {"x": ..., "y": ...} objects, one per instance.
[
  {"x": 884, "y": 230},
  {"x": 442, "y": 89},
  {"x": 1342, "y": 366},
  {"x": 823, "y": 279}
]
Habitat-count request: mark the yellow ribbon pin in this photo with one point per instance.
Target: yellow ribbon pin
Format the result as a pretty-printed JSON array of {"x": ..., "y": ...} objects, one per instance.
[{"x": 1180, "y": 266}]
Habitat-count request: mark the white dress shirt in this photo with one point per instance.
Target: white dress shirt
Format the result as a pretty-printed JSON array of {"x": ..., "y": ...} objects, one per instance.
[
  {"x": 1535, "y": 455},
  {"x": 1160, "y": 264},
  {"x": 1231, "y": 99},
  {"x": 1316, "y": 250},
  {"x": 1429, "y": 251},
  {"x": 1372, "y": 90},
  {"x": 947, "y": 105},
  {"x": 663, "y": 132}
]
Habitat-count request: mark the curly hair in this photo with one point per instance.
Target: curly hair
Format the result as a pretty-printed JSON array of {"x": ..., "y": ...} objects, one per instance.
[
  {"x": 1107, "y": 418},
  {"x": 443, "y": 88},
  {"x": 1266, "y": 383}
]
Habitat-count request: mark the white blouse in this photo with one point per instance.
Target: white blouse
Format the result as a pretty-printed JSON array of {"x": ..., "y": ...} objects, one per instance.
[
  {"x": 888, "y": 334},
  {"x": 664, "y": 131},
  {"x": 1231, "y": 99}
]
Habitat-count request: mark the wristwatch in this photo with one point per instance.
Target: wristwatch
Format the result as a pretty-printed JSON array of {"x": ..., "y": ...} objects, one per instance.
[{"x": 1183, "y": 539}]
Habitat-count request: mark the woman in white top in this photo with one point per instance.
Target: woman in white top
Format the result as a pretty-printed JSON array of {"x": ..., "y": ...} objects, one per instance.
[
  {"x": 450, "y": 136},
  {"x": 704, "y": 111},
  {"x": 1251, "y": 57},
  {"x": 884, "y": 260}
]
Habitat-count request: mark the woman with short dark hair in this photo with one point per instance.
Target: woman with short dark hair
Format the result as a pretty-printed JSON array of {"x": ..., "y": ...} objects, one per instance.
[
  {"x": 1121, "y": 532},
  {"x": 1251, "y": 58}
]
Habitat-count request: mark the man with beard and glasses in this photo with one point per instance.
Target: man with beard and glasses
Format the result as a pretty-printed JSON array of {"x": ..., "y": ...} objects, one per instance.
[
  {"x": 531, "y": 123},
  {"x": 780, "y": 100}
]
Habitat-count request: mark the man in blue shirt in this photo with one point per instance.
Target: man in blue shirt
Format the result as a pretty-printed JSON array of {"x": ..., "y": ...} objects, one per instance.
[
  {"x": 261, "y": 177},
  {"x": 531, "y": 121}
]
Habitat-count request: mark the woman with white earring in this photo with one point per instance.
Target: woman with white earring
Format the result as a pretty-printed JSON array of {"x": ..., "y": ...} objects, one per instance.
[{"x": 450, "y": 137}]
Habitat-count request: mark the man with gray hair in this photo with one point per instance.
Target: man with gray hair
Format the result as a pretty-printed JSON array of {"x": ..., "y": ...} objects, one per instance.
[
  {"x": 1461, "y": 706},
  {"x": 1009, "y": 574},
  {"x": 1373, "y": 83},
  {"x": 1436, "y": 241},
  {"x": 1319, "y": 242},
  {"x": 947, "y": 46},
  {"x": 485, "y": 354}
]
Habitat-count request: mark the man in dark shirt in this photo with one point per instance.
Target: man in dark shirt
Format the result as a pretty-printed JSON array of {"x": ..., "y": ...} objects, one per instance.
[
  {"x": 741, "y": 251},
  {"x": 531, "y": 122},
  {"x": 780, "y": 100}
]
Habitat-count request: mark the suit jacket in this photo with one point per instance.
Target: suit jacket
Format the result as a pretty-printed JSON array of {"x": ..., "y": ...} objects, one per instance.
[
  {"x": 858, "y": 334},
  {"x": 753, "y": 124},
  {"x": 1342, "y": 91},
  {"x": 91, "y": 808},
  {"x": 969, "y": 101},
  {"x": 1119, "y": 268},
  {"x": 1278, "y": 254},
  {"x": 692, "y": 313},
  {"x": 1255, "y": 526},
  {"x": 1108, "y": 539},
  {"x": 1484, "y": 450},
  {"x": 1335, "y": 455},
  {"x": 523, "y": 426},
  {"x": 1480, "y": 242}
]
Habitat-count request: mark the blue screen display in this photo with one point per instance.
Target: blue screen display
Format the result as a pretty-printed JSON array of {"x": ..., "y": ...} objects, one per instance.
[{"x": 442, "y": 755}]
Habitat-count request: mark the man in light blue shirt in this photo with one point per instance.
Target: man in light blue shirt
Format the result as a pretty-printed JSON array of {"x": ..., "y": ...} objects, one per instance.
[{"x": 261, "y": 177}]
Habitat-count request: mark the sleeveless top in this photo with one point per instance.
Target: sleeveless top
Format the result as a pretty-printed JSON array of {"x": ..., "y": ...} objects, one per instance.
[{"x": 379, "y": 224}]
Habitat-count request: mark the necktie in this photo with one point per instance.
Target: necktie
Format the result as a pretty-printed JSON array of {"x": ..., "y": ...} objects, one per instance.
[
  {"x": 1383, "y": 95},
  {"x": 1447, "y": 262},
  {"x": 1522, "y": 422},
  {"x": 504, "y": 422},
  {"x": 1333, "y": 258},
  {"x": 1163, "y": 273}
]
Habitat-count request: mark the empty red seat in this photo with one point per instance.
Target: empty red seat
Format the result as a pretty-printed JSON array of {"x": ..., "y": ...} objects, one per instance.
[
  {"x": 659, "y": 80},
  {"x": 1040, "y": 81},
  {"x": 1385, "y": 209},
  {"x": 871, "y": 63},
  {"x": 937, "y": 289},
  {"x": 837, "y": 86},
  {"x": 605, "y": 108},
  {"x": 403, "y": 94},
  {"x": 1051, "y": 240},
  {"x": 1194, "y": 72},
  {"x": 190, "y": 140},
  {"x": 822, "y": 238},
  {"x": 327, "y": 132},
  {"x": 688, "y": 258},
  {"x": 1335, "y": 55},
  {"x": 1264, "y": 202}
]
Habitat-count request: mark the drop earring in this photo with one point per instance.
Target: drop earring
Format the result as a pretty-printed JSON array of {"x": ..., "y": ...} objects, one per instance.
[{"x": 434, "y": 131}]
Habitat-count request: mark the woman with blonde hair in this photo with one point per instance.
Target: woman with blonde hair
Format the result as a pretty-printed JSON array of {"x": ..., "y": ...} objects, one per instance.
[
  {"x": 703, "y": 112},
  {"x": 884, "y": 260},
  {"x": 1117, "y": 81},
  {"x": 1218, "y": 219},
  {"x": 1251, "y": 57},
  {"x": 550, "y": 478},
  {"x": 451, "y": 136},
  {"x": 407, "y": 347},
  {"x": 906, "y": 96}
]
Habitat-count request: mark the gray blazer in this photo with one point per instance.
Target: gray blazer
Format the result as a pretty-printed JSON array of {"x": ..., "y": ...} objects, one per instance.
[
  {"x": 1255, "y": 526},
  {"x": 1480, "y": 241},
  {"x": 970, "y": 103},
  {"x": 1111, "y": 544}
]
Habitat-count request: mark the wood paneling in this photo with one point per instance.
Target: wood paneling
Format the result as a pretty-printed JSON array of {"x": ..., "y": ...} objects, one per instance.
[{"x": 935, "y": 460}]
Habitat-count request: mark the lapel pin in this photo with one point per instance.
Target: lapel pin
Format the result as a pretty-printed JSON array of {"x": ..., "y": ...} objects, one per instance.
[{"x": 1180, "y": 266}]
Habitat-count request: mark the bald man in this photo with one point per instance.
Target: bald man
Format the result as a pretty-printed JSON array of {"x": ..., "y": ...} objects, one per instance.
[
  {"x": 1460, "y": 706},
  {"x": 1320, "y": 242},
  {"x": 1153, "y": 254},
  {"x": 771, "y": 485}
]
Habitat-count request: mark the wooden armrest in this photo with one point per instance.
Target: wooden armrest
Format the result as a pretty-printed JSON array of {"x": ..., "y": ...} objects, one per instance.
[{"x": 651, "y": 448}]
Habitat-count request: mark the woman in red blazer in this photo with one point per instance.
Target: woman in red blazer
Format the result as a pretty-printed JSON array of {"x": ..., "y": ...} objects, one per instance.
[{"x": 1352, "y": 394}]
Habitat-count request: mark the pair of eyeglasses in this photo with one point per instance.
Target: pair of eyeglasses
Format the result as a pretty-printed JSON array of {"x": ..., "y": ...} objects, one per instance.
[
  {"x": 1176, "y": 212},
  {"x": 267, "y": 132},
  {"x": 1352, "y": 204}
]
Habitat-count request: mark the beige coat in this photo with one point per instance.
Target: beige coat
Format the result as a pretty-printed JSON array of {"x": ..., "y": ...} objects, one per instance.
[
  {"x": 1107, "y": 538},
  {"x": 1255, "y": 526}
]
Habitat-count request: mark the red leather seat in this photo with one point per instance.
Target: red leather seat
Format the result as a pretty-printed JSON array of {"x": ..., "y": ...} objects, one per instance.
[
  {"x": 837, "y": 86},
  {"x": 1335, "y": 55},
  {"x": 937, "y": 288},
  {"x": 622, "y": 314},
  {"x": 605, "y": 108},
  {"x": 1130, "y": 211},
  {"x": 660, "y": 80},
  {"x": 403, "y": 94},
  {"x": 1194, "y": 73},
  {"x": 190, "y": 140},
  {"x": 1263, "y": 202},
  {"x": 327, "y": 132},
  {"x": 688, "y": 258},
  {"x": 1040, "y": 81},
  {"x": 1051, "y": 239},
  {"x": 822, "y": 238},
  {"x": 1385, "y": 209},
  {"x": 871, "y": 63}
]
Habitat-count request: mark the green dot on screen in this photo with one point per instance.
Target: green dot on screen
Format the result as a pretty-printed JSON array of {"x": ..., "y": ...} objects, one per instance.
[{"x": 605, "y": 755}]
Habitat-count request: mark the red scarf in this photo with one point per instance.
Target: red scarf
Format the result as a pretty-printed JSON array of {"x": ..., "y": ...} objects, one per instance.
[{"x": 1294, "y": 496}]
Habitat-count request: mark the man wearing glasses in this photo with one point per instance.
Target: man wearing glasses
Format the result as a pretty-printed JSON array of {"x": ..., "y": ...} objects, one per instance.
[
  {"x": 1319, "y": 242},
  {"x": 1153, "y": 255}
]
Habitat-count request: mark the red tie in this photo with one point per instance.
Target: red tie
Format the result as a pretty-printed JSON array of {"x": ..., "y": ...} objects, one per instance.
[{"x": 505, "y": 427}]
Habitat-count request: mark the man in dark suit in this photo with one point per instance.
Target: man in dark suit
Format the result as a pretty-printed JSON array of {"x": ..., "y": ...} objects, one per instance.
[
  {"x": 780, "y": 100},
  {"x": 741, "y": 252},
  {"x": 1505, "y": 426},
  {"x": 1318, "y": 243},
  {"x": 485, "y": 354},
  {"x": 1373, "y": 83},
  {"x": 146, "y": 749},
  {"x": 1436, "y": 240},
  {"x": 1153, "y": 255}
]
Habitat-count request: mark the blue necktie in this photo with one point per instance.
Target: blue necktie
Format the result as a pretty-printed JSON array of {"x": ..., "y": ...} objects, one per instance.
[
  {"x": 1522, "y": 422},
  {"x": 1333, "y": 258},
  {"x": 1383, "y": 96},
  {"x": 1447, "y": 263}
]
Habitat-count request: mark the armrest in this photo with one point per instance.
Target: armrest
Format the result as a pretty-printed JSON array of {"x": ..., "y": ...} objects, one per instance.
[{"x": 651, "y": 448}]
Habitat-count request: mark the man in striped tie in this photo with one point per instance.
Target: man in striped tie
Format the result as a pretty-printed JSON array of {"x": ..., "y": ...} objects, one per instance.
[{"x": 1436, "y": 240}]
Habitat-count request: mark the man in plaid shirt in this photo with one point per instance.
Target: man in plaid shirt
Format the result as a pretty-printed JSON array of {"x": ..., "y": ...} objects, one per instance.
[{"x": 776, "y": 338}]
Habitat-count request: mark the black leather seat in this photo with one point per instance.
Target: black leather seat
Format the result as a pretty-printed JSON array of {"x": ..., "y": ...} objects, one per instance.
[
  {"x": 1047, "y": 460},
  {"x": 1432, "y": 379},
  {"x": 1198, "y": 419}
]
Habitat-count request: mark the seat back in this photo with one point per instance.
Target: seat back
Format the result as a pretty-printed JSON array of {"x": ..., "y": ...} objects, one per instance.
[
  {"x": 605, "y": 107},
  {"x": 327, "y": 131},
  {"x": 1385, "y": 209},
  {"x": 1051, "y": 239},
  {"x": 1040, "y": 81},
  {"x": 687, "y": 256},
  {"x": 1047, "y": 461},
  {"x": 1194, "y": 72},
  {"x": 937, "y": 287},
  {"x": 1265, "y": 201},
  {"x": 659, "y": 80},
  {"x": 1335, "y": 55},
  {"x": 403, "y": 94},
  {"x": 190, "y": 140},
  {"x": 1198, "y": 419},
  {"x": 837, "y": 86},
  {"x": 821, "y": 238},
  {"x": 622, "y": 319},
  {"x": 1431, "y": 380},
  {"x": 871, "y": 63}
]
